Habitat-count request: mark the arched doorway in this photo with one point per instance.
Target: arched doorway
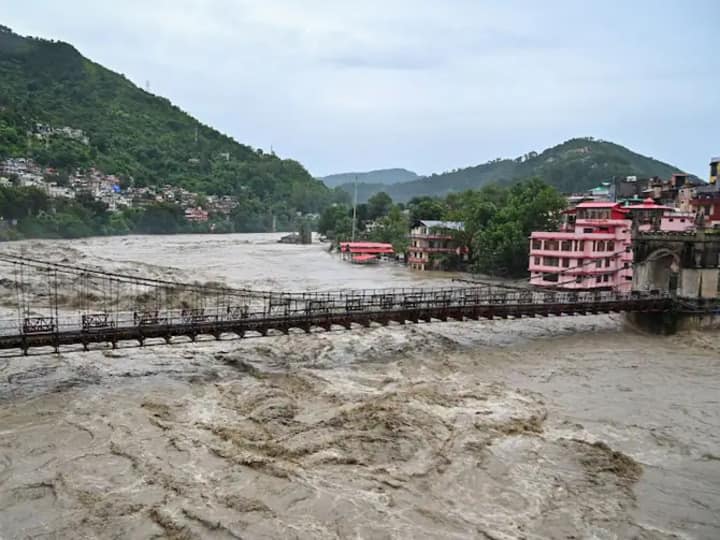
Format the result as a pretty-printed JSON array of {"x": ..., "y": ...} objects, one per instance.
[{"x": 659, "y": 271}]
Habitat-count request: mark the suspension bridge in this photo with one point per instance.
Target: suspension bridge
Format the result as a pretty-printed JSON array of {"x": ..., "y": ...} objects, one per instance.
[{"x": 52, "y": 305}]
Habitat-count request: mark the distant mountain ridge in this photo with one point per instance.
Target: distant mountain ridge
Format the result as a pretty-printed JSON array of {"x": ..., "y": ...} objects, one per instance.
[
  {"x": 384, "y": 177},
  {"x": 575, "y": 165}
]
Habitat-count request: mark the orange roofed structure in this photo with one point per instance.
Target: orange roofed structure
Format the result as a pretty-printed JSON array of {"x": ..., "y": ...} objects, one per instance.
[{"x": 362, "y": 252}]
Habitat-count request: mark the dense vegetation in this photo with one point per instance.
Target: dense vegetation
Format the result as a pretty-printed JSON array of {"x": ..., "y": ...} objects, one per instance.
[
  {"x": 142, "y": 138},
  {"x": 575, "y": 165},
  {"x": 36, "y": 215},
  {"x": 498, "y": 221},
  {"x": 382, "y": 177},
  {"x": 28, "y": 212}
]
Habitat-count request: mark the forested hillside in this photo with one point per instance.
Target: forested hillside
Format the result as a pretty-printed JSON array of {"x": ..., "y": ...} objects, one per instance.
[
  {"x": 142, "y": 138},
  {"x": 575, "y": 165}
]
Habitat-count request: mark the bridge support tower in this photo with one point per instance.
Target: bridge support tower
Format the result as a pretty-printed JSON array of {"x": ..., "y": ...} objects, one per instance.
[{"x": 687, "y": 266}]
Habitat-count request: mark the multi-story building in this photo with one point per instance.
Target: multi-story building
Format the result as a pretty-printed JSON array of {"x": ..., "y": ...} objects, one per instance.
[
  {"x": 706, "y": 199},
  {"x": 706, "y": 204},
  {"x": 432, "y": 240},
  {"x": 593, "y": 249}
]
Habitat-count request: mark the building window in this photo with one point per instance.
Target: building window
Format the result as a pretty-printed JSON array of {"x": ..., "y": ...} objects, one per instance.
[
  {"x": 597, "y": 279},
  {"x": 565, "y": 263},
  {"x": 598, "y": 263},
  {"x": 578, "y": 279},
  {"x": 552, "y": 261},
  {"x": 628, "y": 249},
  {"x": 607, "y": 263},
  {"x": 566, "y": 245},
  {"x": 551, "y": 277},
  {"x": 626, "y": 265},
  {"x": 537, "y": 260},
  {"x": 610, "y": 245},
  {"x": 606, "y": 278},
  {"x": 628, "y": 278},
  {"x": 551, "y": 245},
  {"x": 536, "y": 244}
]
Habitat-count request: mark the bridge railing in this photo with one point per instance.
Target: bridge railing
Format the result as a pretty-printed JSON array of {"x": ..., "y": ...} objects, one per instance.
[{"x": 296, "y": 306}]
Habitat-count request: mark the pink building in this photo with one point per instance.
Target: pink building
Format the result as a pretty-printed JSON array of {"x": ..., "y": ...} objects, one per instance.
[
  {"x": 593, "y": 249},
  {"x": 196, "y": 215}
]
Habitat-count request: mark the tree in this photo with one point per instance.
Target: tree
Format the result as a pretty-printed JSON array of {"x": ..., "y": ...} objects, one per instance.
[
  {"x": 426, "y": 208},
  {"x": 393, "y": 229},
  {"x": 379, "y": 205},
  {"x": 248, "y": 216},
  {"x": 335, "y": 221},
  {"x": 201, "y": 201},
  {"x": 161, "y": 218},
  {"x": 502, "y": 228}
]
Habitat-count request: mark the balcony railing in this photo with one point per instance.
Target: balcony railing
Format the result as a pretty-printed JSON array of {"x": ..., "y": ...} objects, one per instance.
[
  {"x": 433, "y": 236},
  {"x": 432, "y": 249},
  {"x": 573, "y": 254}
]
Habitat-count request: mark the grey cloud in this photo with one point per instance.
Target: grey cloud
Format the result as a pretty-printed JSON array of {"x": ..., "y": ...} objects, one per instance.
[{"x": 344, "y": 84}]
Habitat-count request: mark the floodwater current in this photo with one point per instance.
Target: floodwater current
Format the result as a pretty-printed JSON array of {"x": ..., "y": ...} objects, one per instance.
[{"x": 569, "y": 427}]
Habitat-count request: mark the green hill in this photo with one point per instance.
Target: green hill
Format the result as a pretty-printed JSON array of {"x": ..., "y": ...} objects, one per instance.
[
  {"x": 383, "y": 177},
  {"x": 142, "y": 138},
  {"x": 575, "y": 165}
]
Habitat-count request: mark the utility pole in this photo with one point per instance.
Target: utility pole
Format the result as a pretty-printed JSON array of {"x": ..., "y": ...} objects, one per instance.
[{"x": 354, "y": 211}]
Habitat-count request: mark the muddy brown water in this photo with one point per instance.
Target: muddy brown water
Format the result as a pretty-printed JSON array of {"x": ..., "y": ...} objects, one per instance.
[{"x": 543, "y": 428}]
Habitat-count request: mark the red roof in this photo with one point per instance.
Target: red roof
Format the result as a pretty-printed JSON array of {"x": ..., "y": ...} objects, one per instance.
[{"x": 366, "y": 247}]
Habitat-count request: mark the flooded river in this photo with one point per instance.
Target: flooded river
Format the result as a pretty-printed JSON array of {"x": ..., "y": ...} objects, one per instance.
[{"x": 572, "y": 427}]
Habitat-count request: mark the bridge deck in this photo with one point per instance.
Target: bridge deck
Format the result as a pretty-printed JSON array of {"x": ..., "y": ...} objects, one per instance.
[{"x": 316, "y": 312}]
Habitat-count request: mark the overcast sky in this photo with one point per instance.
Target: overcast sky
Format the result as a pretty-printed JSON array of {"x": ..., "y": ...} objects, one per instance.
[{"x": 423, "y": 84}]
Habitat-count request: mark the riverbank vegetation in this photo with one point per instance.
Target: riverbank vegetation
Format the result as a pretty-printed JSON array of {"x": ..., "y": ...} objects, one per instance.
[{"x": 28, "y": 212}]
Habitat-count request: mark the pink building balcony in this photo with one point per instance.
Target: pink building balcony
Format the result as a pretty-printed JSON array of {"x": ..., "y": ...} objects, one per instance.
[{"x": 575, "y": 270}]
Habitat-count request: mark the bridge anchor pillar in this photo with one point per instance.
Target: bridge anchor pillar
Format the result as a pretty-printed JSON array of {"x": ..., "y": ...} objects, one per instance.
[{"x": 671, "y": 322}]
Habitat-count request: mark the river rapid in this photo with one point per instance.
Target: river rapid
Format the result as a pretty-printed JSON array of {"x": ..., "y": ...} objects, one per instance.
[{"x": 570, "y": 427}]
